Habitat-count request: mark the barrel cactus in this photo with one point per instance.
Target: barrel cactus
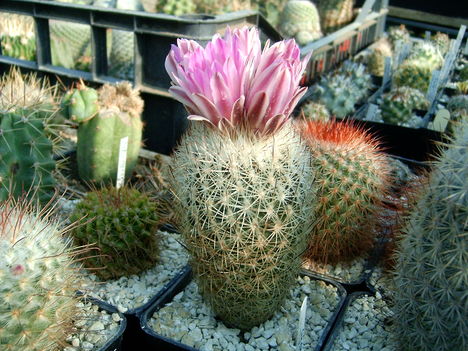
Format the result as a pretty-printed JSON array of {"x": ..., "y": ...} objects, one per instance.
[
  {"x": 352, "y": 176},
  {"x": 122, "y": 222},
  {"x": 17, "y": 36},
  {"x": 427, "y": 53},
  {"x": 376, "y": 59},
  {"x": 416, "y": 74},
  {"x": 28, "y": 140},
  {"x": 300, "y": 20},
  {"x": 335, "y": 14},
  {"x": 241, "y": 175},
  {"x": 399, "y": 104},
  {"x": 399, "y": 35},
  {"x": 38, "y": 278},
  {"x": 441, "y": 41},
  {"x": 431, "y": 298},
  {"x": 118, "y": 115}
]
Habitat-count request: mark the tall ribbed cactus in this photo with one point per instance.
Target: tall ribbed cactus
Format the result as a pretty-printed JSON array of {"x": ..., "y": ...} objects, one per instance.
[
  {"x": 431, "y": 300},
  {"x": 117, "y": 115},
  {"x": 27, "y": 140},
  {"x": 38, "y": 281},
  {"x": 352, "y": 176},
  {"x": 241, "y": 175},
  {"x": 335, "y": 14}
]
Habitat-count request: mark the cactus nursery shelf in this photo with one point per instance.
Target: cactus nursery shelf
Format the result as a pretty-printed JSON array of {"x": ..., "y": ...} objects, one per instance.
[{"x": 251, "y": 175}]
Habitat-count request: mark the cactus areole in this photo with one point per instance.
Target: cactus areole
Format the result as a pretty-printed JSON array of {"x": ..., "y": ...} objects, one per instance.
[{"x": 241, "y": 174}]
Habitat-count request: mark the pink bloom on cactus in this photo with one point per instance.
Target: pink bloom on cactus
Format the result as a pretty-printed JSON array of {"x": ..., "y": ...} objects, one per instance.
[{"x": 232, "y": 82}]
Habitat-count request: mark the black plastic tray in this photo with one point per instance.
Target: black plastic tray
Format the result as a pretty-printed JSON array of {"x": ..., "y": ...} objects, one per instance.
[{"x": 154, "y": 341}]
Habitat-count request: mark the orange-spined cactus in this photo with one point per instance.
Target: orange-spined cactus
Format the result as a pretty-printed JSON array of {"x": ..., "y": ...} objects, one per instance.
[{"x": 352, "y": 177}]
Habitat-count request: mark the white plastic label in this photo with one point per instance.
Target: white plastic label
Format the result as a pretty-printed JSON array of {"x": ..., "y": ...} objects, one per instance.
[
  {"x": 387, "y": 71},
  {"x": 427, "y": 35},
  {"x": 433, "y": 87},
  {"x": 371, "y": 112},
  {"x": 301, "y": 326},
  {"x": 122, "y": 162}
]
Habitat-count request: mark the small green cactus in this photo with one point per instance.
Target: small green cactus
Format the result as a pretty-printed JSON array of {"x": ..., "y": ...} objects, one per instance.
[
  {"x": 39, "y": 278},
  {"x": 315, "y": 111},
  {"x": 300, "y": 20},
  {"x": 176, "y": 7},
  {"x": 80, "y": 104},
  {"x": 415, "y": 74},
  {"x": 428, "y": 54},
  {"x": 431, "y": 297},
  {"x": 398, "y": 104},
  {"x": 376, "y": 59},
  {"x": 441, "y": 41},
  {"x": 458, "y": 106},
  {"x": 398, "y": 34},
  {"x": 122, "y": 223},
  {"x": 99, "y": 134},
  {"x": 17, "y": 37},
  {"x": 335, "y": 14}
]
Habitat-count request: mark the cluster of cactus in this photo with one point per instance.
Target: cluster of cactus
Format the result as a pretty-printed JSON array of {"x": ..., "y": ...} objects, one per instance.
[
  {"x": 122, "y": 223},
  {"x": 398, "y": 105},
  {"x": 28, "y": 140},
  {"x": 398, "y": 35},
  {"x": 315, "y": 111},
  {"x": 341, "y": 90},
  {"x": 39, "y": 278},
  {"x": 441, "y": 41},
  {"x": 431, "y": 297},
  {"x": 246, "y": 204},
  {"x": 300, "y": 20},
  {"x": 335, "y": 14},
  {"x": 352, "y": 176},
  {"x": 104, "y": 118},
  {"x": 376, "y": 59},
  {"x": 17, "y": 37},
  {"x": 416, "y": 71}
]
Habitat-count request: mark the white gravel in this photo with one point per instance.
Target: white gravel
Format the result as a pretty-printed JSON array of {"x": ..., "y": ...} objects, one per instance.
[
  {"x": 348, "y": 272},
  {"x": 130, "y": 292},
  {"x": 93, "y": 328},
  {"x": 189, "y": 320},
  {"x": 367, "y": 326}
]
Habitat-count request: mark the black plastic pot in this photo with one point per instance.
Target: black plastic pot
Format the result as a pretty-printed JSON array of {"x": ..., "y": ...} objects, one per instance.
[{"x": 154, "y": 341}]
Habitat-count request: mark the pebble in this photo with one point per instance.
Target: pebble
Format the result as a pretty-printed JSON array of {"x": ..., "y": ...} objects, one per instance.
[{"x": 278, "y": 333}]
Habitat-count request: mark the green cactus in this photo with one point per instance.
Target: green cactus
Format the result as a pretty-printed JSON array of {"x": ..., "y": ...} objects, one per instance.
[
  {"x": 300, "y": 20},
  {"x": 38, "y": 278},
  {"x": 458, "y": 106},
  {"x": 463, "y": 75},
  {"x": 398, "y": 34},
  {"x": 122, "y": 222},
  {"x": 352, "y": 176},
  {"x": 28, "y": 139},
  {"x": 361, "y": 79},
  {"x": 80, "y": 104},
  {"x": 441, "y": 41},
  {"x": 17, "y": 36},
  {"x": 335, "y": 14},
  {"x": 428, "y": 54},
  {"x": 315, "y": 111},
  {"x": 176, "y": 7},
  {"x": 243, "y": 206},
  {"x": 431, "y": 297},
  {"x": 415, "y": 74},
  {"x": 271, "y": 9},
  {"x": 398, "y": 104},
  {"x": 119, "y": 116},
  {"x": 376, "y": 60}
]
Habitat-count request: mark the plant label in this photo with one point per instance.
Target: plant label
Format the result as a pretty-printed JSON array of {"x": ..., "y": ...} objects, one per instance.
[
  {"x": 365, "y": 10},
  {"x": 301, "y": 326},
  {"x": 427, "y": 35},
  {"x": 371, "y": 112},
  {"x": 387, "y": 71},
  {"x": 433, "y": 87},
  {"x": 122, "y": 162},
  {"x": 440, "y": 121}
]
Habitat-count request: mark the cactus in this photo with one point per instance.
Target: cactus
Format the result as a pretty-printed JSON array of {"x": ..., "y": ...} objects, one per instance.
[
  {"x": 335, "y": 14},
  {"x": 315, "y": 111},
  {"x": 80, "y": 104},
  {"x": 300, "y": 20},
  {"x": 431, "y": 297},
  {"x": 271, "y": 9},
  {"x": 122, "y": 222},
  {"x": 414, "y": 74},
  {"x": 463, "y": 75},
  {"x": 398, "y": 104},
  {"x": 361, "y": 79},
  {"x": 38, "y": 278},
  {"x": 458, "y": 106},
  {"x": 441, "y": 41},
  {"x": 462, "y": 87},
  {"x": 28, "y": 140},
  {"x": 376, "y": 60},
  {"x": 119, "y": 116},
  {"x": 398, "y": 34},
  {"x": 352, "y": 176},
  {"x": 17, "y": 37},
  {"x": 428, "y": 54},
  {"x": 176, "y": 7}
]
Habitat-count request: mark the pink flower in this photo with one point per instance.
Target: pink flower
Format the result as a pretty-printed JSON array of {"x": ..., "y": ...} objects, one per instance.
[{"x": 232, "y": 82}]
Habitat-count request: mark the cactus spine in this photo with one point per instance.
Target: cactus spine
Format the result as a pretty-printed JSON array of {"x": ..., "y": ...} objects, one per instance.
[
  {"x": 352, "y": 176},
  {"x": 431, "y": 300},
  {"x": 118, "y": 116},
  {"x": 123, "y": 224},
  {"x": 38, "y": 281},
  {"x": 335, "y": 14},
  {"x": 27, "y": 141},
  {"x": 244, "y": 204},
  {"x": 300, "y": 20}
]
